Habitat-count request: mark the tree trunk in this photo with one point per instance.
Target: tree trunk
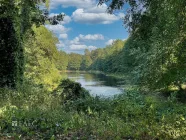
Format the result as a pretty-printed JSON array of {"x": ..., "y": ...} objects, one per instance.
[{"x": 11, "y": 55}]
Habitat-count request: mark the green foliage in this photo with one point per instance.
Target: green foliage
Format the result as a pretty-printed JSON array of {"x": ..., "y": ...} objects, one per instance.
[
  {"x": 11, "y": 63},
  {"x": 86, "y": 61},
  {"x": 74, "y": 62},
  {"x": 33, "y": 113},
  {"x": 62, "y": 61},
  {"x": 162, "y": 47},
  {"x": 99, "y": 59},
  {"x": 16, "y": 18},
  {"x": 70, "y": 91},
  {"x": 41, "y": 56},
  {"x": 107, "y": 59},
  {"x": 154, "y": 55}
]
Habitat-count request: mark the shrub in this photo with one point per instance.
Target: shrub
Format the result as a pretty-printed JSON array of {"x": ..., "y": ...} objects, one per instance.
[{"x": 70, "y": 91}]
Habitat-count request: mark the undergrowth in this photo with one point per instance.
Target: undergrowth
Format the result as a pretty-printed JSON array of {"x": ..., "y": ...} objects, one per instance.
[{"x": 34, "y": 113}]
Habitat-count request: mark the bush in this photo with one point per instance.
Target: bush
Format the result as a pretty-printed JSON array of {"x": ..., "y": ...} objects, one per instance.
[{"x": 70, "y": 91}]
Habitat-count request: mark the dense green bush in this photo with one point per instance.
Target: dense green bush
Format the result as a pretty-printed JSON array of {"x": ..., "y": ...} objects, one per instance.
[{"x": 70, "y": 91}]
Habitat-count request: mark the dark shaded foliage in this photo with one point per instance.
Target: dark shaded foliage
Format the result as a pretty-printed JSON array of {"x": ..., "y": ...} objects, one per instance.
[
  {"x": 11, "y": 69},
  {"x": 70, "y": 91}
]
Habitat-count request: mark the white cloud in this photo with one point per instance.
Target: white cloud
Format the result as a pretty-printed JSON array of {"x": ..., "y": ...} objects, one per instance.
[
  {"x": 95, "y": 15},
  {"x": 75, "y": 47},
  {"x": 63, "y": 36},
  {"x": 92, "y": 47},
  {"x": 81, "y": 16},
  {"x": 67, "y": 19},
  {"x": 75, "y": 41},
  {"x": 109, "y": 42},
  {"x": 78, "y": 43},
  {"x": 58, "y": 29},
  {"x": 91, "y": 37},
  {"x": 52, "y": 14},
  {"x": 72, "y": 3},
  {"x": 60, "y": 45},
  {"x": 81, "y": 47},
  {"x": 87, "y": 12},
  {"x": 80, "y": 38},
  {"x": 121, "y": 15},
  {"x": 97, "y": 9}
]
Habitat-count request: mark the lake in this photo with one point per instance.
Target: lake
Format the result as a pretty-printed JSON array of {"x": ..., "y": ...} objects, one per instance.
[{"x": 97, "y": 84}]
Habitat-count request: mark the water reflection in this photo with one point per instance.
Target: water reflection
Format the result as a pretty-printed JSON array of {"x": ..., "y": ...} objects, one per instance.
[{"x": 97, "y": 84}]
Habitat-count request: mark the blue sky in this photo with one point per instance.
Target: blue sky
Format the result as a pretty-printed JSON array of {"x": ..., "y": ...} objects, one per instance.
[{"x": 85, "y": 25}]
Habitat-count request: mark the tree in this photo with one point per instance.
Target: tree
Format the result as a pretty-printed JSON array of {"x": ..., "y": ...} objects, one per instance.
[
  {"x": 156, "y": 48},
  {"x": 10, "y": 69},
  {"x": 86, "y": 60},
  {"x": 41, "y": 55},
  {"x": 75, "y": 61},
  {"x": 62, "y": 61},
  {"x": 17, "y": 18},
  {"x": 107, "y": 59}
]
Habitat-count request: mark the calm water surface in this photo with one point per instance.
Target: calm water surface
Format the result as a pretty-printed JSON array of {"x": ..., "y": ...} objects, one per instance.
[{"x": 97, "y": 84}]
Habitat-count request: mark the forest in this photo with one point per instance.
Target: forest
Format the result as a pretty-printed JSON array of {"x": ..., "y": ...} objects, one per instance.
[{"x": 38, "y": 102}]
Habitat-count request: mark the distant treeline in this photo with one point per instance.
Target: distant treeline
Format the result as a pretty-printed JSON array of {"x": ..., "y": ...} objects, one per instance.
[{"x": 102, "y": 59}]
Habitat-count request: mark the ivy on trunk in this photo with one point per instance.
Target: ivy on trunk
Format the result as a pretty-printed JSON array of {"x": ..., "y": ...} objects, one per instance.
[{"x": 11, "y": 52}]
